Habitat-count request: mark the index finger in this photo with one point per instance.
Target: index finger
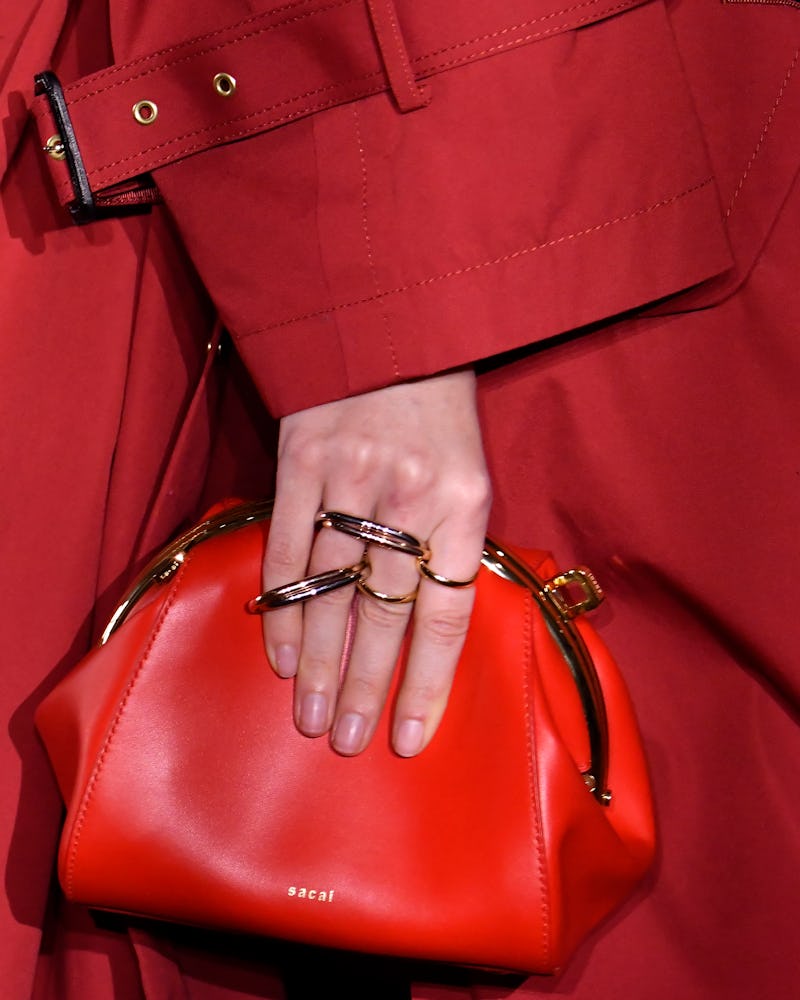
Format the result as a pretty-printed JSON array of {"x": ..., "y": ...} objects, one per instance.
[{"x": 291, "y": 536}]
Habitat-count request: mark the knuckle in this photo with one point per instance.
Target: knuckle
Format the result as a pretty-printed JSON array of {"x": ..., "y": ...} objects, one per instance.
[
  {"x": 335, "y": 599},
  {"x": 446, "y": 629},
  {"x": 472, "y": 494},
  {"x": 481, "y": 496},
  {"x": 382, "y": 615},
  {"x": 282, "y": 552},
  {"x": 317, "y": 671},
  {"x": 365, "y": 689},
  {"x": 414, "y": 476},
  {"x": 353, "y": 449},
  {"x": 305, "y": 452},
  {"x": 359, "y": 458},
  {"x": 427, "y": 691},
  {"x": 283, "y": 625}
]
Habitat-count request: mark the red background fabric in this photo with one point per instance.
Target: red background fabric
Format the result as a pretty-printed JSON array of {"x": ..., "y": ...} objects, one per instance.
[{"x": 606, "y": 221}]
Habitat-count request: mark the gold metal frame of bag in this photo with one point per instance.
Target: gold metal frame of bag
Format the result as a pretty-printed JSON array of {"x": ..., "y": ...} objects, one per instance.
[{"x": 555, "y": 598}]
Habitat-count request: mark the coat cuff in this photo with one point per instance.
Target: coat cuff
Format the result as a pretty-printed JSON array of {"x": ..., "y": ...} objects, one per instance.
[{"x": 542, "y": 189}]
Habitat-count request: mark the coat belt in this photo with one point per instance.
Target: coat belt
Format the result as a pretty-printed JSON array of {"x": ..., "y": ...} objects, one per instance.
[{"x": 107, "y": 132}]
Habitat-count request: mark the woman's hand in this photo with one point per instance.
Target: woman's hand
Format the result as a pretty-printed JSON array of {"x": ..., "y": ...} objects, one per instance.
[{"x": 410, "y": 457}]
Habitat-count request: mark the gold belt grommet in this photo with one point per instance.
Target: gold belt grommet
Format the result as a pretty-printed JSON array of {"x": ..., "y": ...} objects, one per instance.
[
  {"x": 225, "y": 84},
  {"x": 145, "y": 112}
]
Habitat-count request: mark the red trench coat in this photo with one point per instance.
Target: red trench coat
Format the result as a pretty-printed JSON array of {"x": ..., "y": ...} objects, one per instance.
[{"x": 599, "y": 208}]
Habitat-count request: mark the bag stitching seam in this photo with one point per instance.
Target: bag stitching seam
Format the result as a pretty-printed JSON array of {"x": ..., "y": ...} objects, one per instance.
[{"x": 535, "y": 791}]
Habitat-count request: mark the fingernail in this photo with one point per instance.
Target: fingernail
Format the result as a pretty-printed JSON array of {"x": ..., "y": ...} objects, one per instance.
[
  {"x": 408, "y": 738},
  {"x": 286, "y": 661},
  {"x": 349, "y": 733},
  {"x": 313, "y": 717}
]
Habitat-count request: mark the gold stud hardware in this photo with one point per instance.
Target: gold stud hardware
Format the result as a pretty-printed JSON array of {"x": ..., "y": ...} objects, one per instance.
[
  {"x": 55, "y": 147},
  {"x": 225, "y": 84},
  {"x": 145, "y": 112}
]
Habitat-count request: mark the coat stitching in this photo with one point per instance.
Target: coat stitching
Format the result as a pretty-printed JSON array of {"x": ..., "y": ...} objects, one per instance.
[
  {"x": 412, "y": 83},
  {"x": 521, "y": 40},
  {"x": 203, "y": 52},
  {"x": 310, "y": 109},
  {"x": 299, "y": 112},
  {"x": 505, "y": 258},
  {"x": 764, "y": 130},
  {"x": 526, "y": 24},
  {"x": 299, "y": 17},
  {"x": 368, "y": 241},
  {"x": 414, "y": 90}
]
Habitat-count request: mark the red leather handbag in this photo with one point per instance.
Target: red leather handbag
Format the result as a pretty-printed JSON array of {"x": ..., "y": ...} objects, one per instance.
[{"x": 192, "y": 797}]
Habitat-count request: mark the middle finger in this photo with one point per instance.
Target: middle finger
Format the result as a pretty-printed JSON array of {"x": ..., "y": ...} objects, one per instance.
[{"x": 384, "y": 607}]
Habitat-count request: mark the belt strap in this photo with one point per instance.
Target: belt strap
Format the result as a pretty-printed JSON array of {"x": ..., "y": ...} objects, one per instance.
[{"x": 105, "y": 131}]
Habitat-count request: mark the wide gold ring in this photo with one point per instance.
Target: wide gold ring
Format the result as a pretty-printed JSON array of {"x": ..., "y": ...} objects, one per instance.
[
  {"x": 444, "y": 581},
  {"x": 364, "y": 588},
  {"x": 311, "y": 586},
  {"x": 373, "y": 533}
]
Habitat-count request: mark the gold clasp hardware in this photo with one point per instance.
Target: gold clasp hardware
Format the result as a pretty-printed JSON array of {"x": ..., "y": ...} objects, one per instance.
[
  {"x": 55, "y": 147},
  {"x": 225, "y": 84},
  {"x": 561, "y": 590},
  {"x": 590, "y": 781}
]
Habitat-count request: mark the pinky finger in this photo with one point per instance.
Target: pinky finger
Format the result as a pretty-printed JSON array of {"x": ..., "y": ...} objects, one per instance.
[{"x": 441, "y": 622}]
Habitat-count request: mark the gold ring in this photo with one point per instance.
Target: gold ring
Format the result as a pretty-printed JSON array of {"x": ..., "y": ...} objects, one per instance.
[
  {"x": 311, "y": 586},
  {"x": 364, "y": 588},
  {"x": 445, "y": 581},
  {"x": 373, "y": 533}
]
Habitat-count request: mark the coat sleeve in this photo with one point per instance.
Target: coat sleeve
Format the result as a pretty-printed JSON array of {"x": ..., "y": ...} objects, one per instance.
[{"x": 546, "y": 185}]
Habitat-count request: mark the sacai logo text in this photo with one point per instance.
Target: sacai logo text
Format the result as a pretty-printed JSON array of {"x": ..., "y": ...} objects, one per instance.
[{"x": 318, "y": 895}]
